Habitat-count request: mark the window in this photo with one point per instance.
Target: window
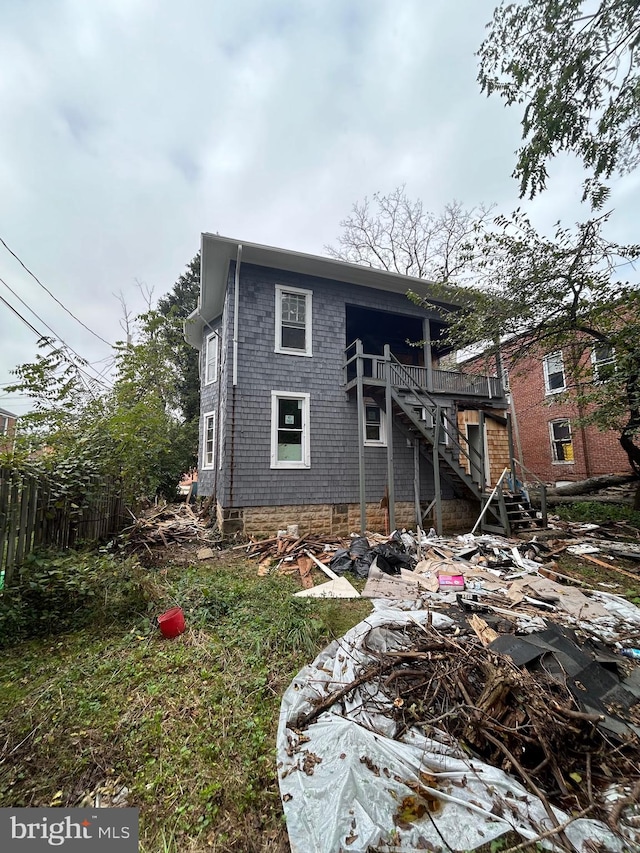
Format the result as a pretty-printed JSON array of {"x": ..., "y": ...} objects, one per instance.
[
  {"x": 554, "y": 380},
  {"x": 211, "y": 359},
  {"x": 561, "y": 443},
  {"x": 290, "y": 430},
  {"x": 293, "y": 320},
  {"x": 374, "y": 426},
  {"x": 209, "y": 440},
  {"x": 603, "y": 358}
]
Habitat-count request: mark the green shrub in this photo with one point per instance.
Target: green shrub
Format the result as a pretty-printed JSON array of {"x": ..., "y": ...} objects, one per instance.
[{"x": 54, "y": 591}]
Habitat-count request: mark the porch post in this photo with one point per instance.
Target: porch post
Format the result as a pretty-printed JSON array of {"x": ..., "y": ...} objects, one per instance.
[
  {"x": 388, "y": 403},
  {"x": 512, "y": 461},
  {"x": 416, "y": 482},
  {"x": 426, "y": 336},
  {"x": 360, "y": 399},
  {"x": 483, "y": 452},
  {"x": 436, "y": 472}
]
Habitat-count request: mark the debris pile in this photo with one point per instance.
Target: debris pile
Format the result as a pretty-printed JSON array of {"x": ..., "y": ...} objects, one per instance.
[
  {"x": 488, "y": 693},
  {"x": 417, "y": 732},
  {"x": 171, "y": 525}
]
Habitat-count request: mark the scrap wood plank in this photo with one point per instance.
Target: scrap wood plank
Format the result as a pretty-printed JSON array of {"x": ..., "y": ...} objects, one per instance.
[
  {"x": 604, "y": 565},
  {"x": 329, "y": 572},
  {"x": 304, "y": 566}
]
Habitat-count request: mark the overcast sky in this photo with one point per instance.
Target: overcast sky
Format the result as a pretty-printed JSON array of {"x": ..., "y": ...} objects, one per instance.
[{"x": 128, "y": 127}]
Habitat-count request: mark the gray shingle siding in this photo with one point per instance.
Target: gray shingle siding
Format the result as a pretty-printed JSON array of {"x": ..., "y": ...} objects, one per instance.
[{"x": 246, "y": 478}]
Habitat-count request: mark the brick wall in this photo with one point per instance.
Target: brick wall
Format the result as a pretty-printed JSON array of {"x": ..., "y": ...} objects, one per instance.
[{"x": 594, "y": 452}]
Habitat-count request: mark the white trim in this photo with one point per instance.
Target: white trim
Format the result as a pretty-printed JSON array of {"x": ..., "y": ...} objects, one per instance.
[
  {"x": 211, "y": 376},
  {"x": 280, "y": 290},
  {"x": 545, "y": 367},
  {"x": 304, "y": 398},
  {"x": 375, "y": 442},
  {"x": 208, "y": 465}
]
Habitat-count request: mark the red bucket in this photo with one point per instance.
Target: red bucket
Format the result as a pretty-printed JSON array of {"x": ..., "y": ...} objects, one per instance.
[{"x": 172, "y": 622}]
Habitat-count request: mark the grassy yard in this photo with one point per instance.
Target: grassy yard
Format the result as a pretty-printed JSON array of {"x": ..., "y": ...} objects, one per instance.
[
  {"x": 184, "y": 729},
  {"x": 186, "y": 725}
]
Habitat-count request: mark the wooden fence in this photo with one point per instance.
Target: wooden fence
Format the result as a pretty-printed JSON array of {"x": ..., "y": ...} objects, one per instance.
[{"x": 33, "y": 514}]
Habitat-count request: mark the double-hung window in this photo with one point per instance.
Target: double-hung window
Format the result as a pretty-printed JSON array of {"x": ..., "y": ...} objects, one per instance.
[
  {"x": 561, "y": 441},
  {"x": 290, "y": 447},
  {"x": 374, "y": 426},
  {"x": 603, "y": 359},
  {"x": 554, "y": 376},
  {"x": 293, "y": 320},
  {"x": 209, "y": 440},
  {"x": 211, "y": 359}
]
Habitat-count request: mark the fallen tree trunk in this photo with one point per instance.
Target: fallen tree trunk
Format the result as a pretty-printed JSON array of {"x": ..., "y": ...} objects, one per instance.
[
  {"x": 593, "y": 484},
  {"x": 555, "y": 500}
]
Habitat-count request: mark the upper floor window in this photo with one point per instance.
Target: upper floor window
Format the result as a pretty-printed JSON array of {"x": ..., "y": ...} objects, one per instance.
[
  {"x": 211, "y": 359},
  {"x": 603, "y": 359},
  {"x": 290, "y": 446},
  {"x": 561, "y": 441},
  {"x": 374, "y": 426},
  {"x": 293, "y": 320},
  {"x": 554, "y": 377},
  {"x": 209, "y": 443}
]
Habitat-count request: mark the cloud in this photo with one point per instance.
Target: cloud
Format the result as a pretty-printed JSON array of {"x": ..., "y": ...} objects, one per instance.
[{"x": 130, "y": 126}]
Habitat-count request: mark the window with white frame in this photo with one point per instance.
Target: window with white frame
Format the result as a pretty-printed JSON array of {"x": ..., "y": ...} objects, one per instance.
[
  {"x": 293, "y": 320},
  {"x": 209, "y": 441},
  {"x": 603, "y": 359},
  {"x": 290, "y": 447},
  {"x": 374, "y": 426},
  {"x": 211, "y": 359},
  {"x": 561, "y": 441},
  {"x": 554, "y": 376}
]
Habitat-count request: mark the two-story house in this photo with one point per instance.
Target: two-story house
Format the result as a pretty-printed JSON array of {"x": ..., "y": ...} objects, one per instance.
[{"x": 323, "y": 401}]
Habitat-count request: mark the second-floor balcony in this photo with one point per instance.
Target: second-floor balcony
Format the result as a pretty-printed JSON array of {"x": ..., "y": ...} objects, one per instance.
[{"x": 450, "y": 383}]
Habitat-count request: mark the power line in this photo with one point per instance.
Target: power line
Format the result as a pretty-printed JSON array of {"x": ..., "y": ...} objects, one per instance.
[
  {"x": 53, "y": 332},
  {"x": 96, "y": 379},
  {"x": 55, "y": 298}
]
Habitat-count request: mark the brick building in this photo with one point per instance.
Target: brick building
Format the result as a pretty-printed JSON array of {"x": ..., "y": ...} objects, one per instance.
[{"x": 548, "y": 436}]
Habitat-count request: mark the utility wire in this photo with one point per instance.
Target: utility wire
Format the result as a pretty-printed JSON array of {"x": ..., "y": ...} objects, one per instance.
[
  {"x": 55, "y": 298},
  {"x": 46, "y": 325},
  {"x": 66, "y": 346}
]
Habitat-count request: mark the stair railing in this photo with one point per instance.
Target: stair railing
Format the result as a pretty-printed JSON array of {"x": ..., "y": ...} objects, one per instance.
[{"x": 543, "y": 489}]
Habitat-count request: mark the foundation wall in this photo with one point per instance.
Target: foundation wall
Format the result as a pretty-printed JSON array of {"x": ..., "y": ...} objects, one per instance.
[{"x": 338, "y": 519}]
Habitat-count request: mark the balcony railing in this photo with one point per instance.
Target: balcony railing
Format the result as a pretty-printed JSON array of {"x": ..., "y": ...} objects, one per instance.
[{"x": 449, "y": 382}]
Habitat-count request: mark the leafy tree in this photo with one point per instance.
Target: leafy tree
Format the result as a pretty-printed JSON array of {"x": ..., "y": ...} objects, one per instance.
[
  {"x": 397, "y": 234},
  {"x": 176, "y": 306},
  {"x": 81, "y": 431},
  {"x": 573, "y": 64},
  {"x": 539, "y": 294}
]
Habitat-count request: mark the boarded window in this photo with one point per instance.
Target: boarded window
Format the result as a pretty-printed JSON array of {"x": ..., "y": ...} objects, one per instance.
[{"x": 561, "y": 442}]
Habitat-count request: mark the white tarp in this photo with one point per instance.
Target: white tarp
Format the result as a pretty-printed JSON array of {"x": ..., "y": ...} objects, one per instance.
[{"x": 348, "y": 785}]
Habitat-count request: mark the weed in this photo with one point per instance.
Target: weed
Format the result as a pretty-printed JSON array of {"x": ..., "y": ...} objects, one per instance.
[{"x": 186, "y": 725}]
